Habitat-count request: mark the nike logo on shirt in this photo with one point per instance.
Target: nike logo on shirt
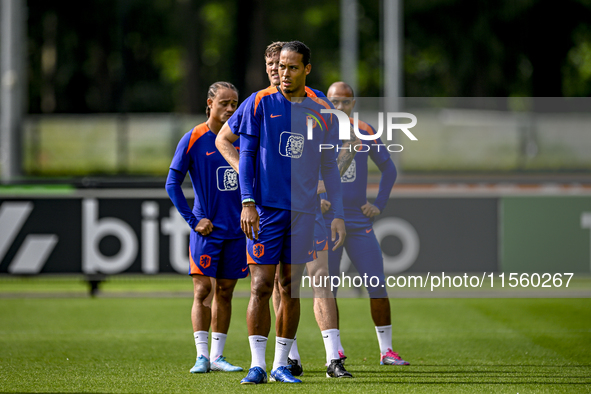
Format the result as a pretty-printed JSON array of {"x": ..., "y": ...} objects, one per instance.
[
  {"x": 368, "y": 230},
  {"x": 210, "y": 153},
  {"x": 274, "y": 116}
]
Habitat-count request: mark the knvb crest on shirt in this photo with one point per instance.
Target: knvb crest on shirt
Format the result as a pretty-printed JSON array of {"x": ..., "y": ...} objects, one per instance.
[
  {"x": 227, "y": 179},
  {"x": 309, "y": 119},
  {"x": 291, "y": 145},
  {"x": 351, "y": 173}
]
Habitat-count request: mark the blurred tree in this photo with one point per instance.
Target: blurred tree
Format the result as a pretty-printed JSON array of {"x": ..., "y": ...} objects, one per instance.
[
  {"x": 553, "y": 32},
  {"x": 176, "y": 67},
  {"x": 251, "y": 41},
  {"x": 482, "y": 48},
  {"x": 316, "y": 23},
  {"x": 105, "y": 56},
  {"x": 161, "y": 55},
  {"x": 577, "y": 70}
]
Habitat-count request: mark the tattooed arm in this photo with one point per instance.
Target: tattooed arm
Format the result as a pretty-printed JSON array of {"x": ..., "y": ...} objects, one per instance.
[
  {"x": 347, "y": 152},
  {"x": 346, "y": 155}
]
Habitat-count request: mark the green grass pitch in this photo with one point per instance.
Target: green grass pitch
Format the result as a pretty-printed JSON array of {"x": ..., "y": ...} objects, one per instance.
[{"x": 146, "y": 345}]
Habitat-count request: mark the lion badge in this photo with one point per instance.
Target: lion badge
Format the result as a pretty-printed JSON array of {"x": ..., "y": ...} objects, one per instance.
[
  {"x": 227, "y": 179},
  {"x": 291, "y": 145}
]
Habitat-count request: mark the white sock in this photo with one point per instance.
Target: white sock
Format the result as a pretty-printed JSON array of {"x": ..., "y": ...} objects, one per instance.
[
  {"x": 384, "y": 338},
  {"x": 282, "y": 348},
  {"x": 294, "y": 354},
  {"x": 218, "y": 341},
  {"x": 258, "y": 347},
  {"x": 340, "y": 344},
  {"x": 201, "y": 339},
  {"x": 331, "y": 344}
]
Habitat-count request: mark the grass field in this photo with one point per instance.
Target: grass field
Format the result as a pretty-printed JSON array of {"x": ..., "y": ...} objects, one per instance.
[{"x": 145, "y": 344}]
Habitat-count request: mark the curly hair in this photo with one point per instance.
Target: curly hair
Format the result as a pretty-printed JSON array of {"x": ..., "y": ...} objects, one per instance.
[
  {"x": 273, "y": 48},
  {"x": 299, "y": 47}
]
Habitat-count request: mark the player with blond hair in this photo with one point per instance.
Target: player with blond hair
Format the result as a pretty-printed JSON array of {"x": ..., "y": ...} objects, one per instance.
[{"x": 216, "y": 244}]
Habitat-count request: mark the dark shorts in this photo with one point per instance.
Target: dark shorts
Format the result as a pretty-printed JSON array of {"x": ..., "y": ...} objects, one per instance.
[
  {"x": 320, "y": 234},
  {"x": 217, "y": 258},
  {"x": 284, "y": 236}
]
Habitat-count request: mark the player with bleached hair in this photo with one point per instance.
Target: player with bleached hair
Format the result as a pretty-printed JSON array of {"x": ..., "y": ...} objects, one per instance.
[{"x": 216, "y": 251}]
